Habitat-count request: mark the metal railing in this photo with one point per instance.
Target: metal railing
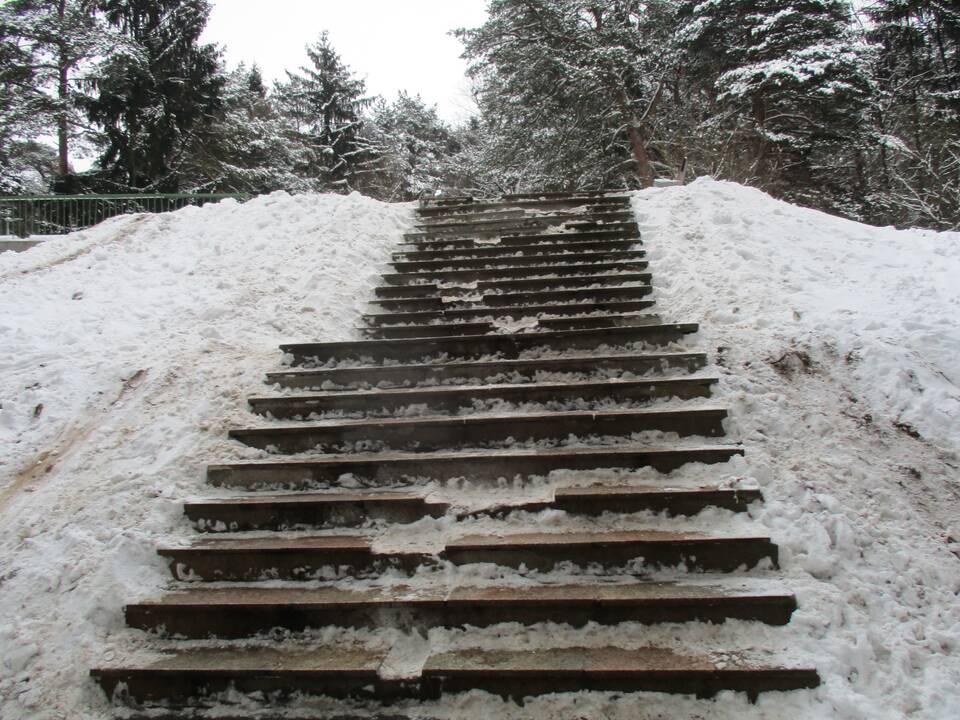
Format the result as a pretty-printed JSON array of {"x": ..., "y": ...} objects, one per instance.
[{"x": 58, "y": 214}]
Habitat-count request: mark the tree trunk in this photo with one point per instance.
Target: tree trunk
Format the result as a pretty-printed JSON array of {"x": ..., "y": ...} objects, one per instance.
[
  {"x": 639, "y": 147},
  {"x": 63, "y": 130}
]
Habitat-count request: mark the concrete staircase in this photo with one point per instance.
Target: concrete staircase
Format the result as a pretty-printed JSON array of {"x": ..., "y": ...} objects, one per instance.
[{"x": 510, "y": 372}]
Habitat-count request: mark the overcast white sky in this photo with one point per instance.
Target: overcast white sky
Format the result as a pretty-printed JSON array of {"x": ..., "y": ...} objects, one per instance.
[{"x": 394, "y": 44}]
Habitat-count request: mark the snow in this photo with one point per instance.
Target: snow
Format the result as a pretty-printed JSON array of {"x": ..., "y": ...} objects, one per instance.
[{"x": 128, "y": 350}]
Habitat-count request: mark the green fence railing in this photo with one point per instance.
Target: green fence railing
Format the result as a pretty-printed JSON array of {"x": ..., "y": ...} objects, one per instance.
[{"x": 58, "y": 214}]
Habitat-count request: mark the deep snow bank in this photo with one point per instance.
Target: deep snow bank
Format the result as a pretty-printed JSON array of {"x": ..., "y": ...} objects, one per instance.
[
  {"x": 125, "y": 352},
  {"x": 838, "y": 350}
]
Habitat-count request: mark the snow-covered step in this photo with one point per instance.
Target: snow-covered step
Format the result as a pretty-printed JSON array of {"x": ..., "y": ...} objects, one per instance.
[
  {"x": 195, "y": 675},
  {"x": 356, "y": 508},
  {"x": 425, "y": 434},
  {"x": 510, "y": 260},
  {"x": 315, "y": 510},
  {"x": 477, "y": 328},
  {"x": 512, "y": 313},
  {"x": 629, "y": 262},
  {"x": 651, "y": 548},
  {"x": 588, "y": 279},
  {"x": 451, "y": 398},
  {"x": 475, "y": 346},
  {"x": 383, "y": 469},
  {"x": 483, "y": 221},
  {"x": 497, "y": 251},
  {"x": 248, "y": 610},
  {"x": 549, "y": 204},
  {"x": 301, "y": 556},
  {"x": 599, "y": 295},
  {"x": 417, "y": 242},
  {"x": 515, "y": 371}
]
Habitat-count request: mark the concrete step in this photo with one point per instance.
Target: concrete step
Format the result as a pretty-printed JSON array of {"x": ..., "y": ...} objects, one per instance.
[
  {"x": 582, "y": 266},
  {"x": 479, "y": 328},
  {"x": 314, "y": 510},
  {"x": 532, "y": 250},
  {"x": 511, "y": 313},
  {"x": 245, "y": 611},
  {"x": 294, "y": 511},
  {"x": 309, "y": 557},
  {"x": 519, "y": 229},
  {"x": 474, "y": 346},
  {"x": 418, "y": 242},
  {"x": 517, "y": 371},
  {"x": 587, "y": 279},
  {"x": 594, "y": 295},
  {"x": 452, "y": 398},
  {"x": 426, "y": 434},
  {"x": 379, "y": 469},
  {"x": 508, "y": 260},
  {"x": 190, "y": 676}
]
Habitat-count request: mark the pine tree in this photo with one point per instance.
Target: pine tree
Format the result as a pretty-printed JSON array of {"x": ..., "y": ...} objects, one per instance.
[
  {"x": 788, "y": 85},
  {"x": 151, "y": 100},
  {"x": 412, "y": 146},
  {"x": 323, "y": 103},
  {"x": 570, "y": 90},
  {"x": 916, "y": 117},
  {"x": 249, "y": 148}
]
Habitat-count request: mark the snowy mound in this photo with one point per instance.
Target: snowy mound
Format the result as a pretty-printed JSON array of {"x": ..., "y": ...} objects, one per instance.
[
  {"x": 127, "y": 351},
  {"x": 808, "y": 289}
]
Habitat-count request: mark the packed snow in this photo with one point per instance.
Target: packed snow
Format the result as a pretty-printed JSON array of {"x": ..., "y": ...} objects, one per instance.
[{"x": 128, "y": 351}]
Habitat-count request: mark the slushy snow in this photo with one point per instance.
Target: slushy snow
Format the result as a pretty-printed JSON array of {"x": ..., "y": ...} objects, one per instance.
[{"x": 127, "y": 351}]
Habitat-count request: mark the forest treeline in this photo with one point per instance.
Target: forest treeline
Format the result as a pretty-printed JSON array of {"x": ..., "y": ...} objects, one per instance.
[{"x": 854, "y": 112}]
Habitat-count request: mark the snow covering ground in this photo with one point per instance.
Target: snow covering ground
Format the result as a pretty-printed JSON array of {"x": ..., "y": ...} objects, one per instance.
[{"x": 127, "y": 351}]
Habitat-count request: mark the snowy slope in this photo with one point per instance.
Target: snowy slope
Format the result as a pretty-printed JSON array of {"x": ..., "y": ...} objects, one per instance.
[
  {"x": 838, "y": 348},
  {"x": 126, "y": 351},
  {"x": 836, "y": 345}
]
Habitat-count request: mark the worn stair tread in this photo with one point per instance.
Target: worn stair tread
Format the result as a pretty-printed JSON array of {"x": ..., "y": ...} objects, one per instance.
[
  {"x": 514, "y": 313},
  {"x": 303, "y": 405},
  {"x": 477, "y": 221},
  {"x": 496, "y": 251},
  {"x": 520, "y": 202},
  {"x": 526, "y": 272},
  {"x": 275, "y": 543},
  {"x": 611, "y": 231},
  {"x": 295, "y": 499},
  {"x": 544, "y": 551},
  {"x": 378, "y": 468},
  {"x": 313, "y": 510},
  {"x": 571, "y": 322},
  {"x": 483, "y": 287},
  {"x": 379, "y": 322},
  {"x": 539, "y": 297},
  {"x": 512, "y": 260},
  {"x": 425, "y": 433},
  {"x": 472, "y": 345},
  {"x": 525, "y": 673},
  {"x": 584, "y": 364}
]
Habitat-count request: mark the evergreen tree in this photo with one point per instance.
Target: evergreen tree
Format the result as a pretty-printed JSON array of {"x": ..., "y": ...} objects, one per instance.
[
  {"x": 413, "y": 147},
  {"x": 916, "y": 118},
  {"x": 788, "y": 85},
  {"x": 249, "y": 148},
  {"x": 153, "y": 99},
  {"x": 57, "y": 39},
  {"x": 570, "y": 89},
  {"x": 323, "y": 104}
]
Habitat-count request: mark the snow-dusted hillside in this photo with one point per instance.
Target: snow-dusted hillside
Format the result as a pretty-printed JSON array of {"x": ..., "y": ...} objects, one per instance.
[{"x": 128, "y": 350}]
